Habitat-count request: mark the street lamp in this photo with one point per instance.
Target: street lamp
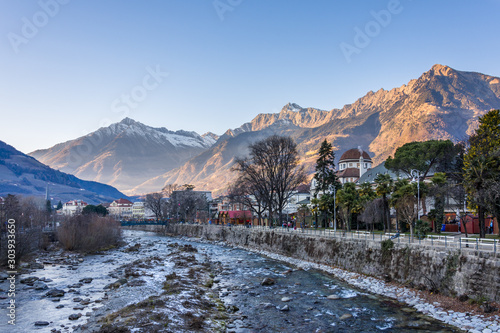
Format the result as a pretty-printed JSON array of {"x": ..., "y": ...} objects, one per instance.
[
  {"x": 416, "y": 174},
  {"x": 334, "y": 207}
]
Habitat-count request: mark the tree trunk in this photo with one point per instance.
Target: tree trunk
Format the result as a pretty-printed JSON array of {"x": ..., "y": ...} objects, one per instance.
[
  {"x": 480, "y": 214},
  {"x": 423, "y": 205}
]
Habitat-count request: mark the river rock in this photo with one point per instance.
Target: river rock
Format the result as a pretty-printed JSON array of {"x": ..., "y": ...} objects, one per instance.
[
  {"x": 85, "y": 301},
  {"x": 78, "y": 307},
  {"x": 267, "y": 305},
  {"x": 116, "y": 284},
  {"x": 286, "y": 299},
  {"x": 345, "y": 316},
  {"x": 268, "y": 282},
  {"x": 233, "y": 308},
  {"x": 136, "y": 283},
  {"x": 60, "y": 306},
  {"x": 487, "y": 308},
  {"x": 77, "y": 299},
  {"x": 86, "y": 280},
  {"x": 29, "y": 280},
  {"x": 36, "y": 265},
  {"x": 41, "y": 323},
  {"x": 39, "y": 285},
  {"x": 285, "y": 308},
  {"x": 3, "y": 276},
  {"x": 55, "y": 293},
  {"x": 74, "y": 316},
  {"x": 76, "y": 285},
  {"x": 333, "y": 297}
]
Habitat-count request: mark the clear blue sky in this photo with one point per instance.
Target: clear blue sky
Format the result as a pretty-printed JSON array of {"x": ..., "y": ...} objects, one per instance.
[{"x": 68, "y": 66}]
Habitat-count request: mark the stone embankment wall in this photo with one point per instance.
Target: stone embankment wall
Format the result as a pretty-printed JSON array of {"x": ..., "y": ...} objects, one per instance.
[{"x": 450, "y": 272}]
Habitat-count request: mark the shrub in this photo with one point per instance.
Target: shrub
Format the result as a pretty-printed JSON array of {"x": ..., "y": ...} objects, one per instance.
[
  {"x": 386, "y": 247},
  {"x": 88, "y": 233},
  {"x": 421, "y": 229}
]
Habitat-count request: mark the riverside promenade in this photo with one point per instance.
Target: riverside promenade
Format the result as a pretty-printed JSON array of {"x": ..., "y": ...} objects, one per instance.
[{"x": 448, "y": 241}]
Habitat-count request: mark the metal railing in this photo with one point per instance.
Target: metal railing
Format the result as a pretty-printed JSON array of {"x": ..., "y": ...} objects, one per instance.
[{"x": 436, "y": 241}]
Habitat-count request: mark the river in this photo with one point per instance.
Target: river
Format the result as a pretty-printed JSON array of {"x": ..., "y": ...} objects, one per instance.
[{"x": 299, "y": 300}]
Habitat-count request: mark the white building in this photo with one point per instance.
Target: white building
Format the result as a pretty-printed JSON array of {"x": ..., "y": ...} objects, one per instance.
[
  {"x": 353, "y": 164},
  {"x": 121, "y": 208},
  {"x": 141, "y": 212},
  {"x": 73, "y": 207}
]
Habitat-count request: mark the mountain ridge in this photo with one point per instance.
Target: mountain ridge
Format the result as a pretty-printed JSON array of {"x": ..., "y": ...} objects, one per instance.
[
  {"x": 442, "y": 103},
  {"x": 23, "y": 174},
  {"x": 115, "y": 154}
]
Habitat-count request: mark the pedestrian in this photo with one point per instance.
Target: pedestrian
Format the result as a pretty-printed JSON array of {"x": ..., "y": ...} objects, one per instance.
[{"x": 491, "y": 226}]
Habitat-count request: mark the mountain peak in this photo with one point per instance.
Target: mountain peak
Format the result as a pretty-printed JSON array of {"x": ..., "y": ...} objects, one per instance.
[
  {"x": 128, "y": 121},
  {"x": 292, "y": 107},
  {"x": 441, "y": 70}
]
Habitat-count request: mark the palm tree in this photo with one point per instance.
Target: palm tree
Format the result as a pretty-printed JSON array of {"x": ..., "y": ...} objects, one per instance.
[
  {"x": 348, "y": 199},
  {"x": 438, "y": 182},
  {"x": 385, "y": 184}
]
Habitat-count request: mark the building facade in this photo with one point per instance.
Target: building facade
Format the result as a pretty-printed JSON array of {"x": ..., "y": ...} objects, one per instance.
[
  {"x": 121, "y": 208},
  {"x": 353, "y": 164},
  {"x": 73, "y": 207}
]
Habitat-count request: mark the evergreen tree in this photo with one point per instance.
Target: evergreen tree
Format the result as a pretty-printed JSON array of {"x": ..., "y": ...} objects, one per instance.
[
  {"x": 482, "y": 166},
  {"x": 325, "y": 175},
  {"x": 325, "y": 168},
  {"x": 421, "y": 156},
  {"x": 59, "y": 205}
]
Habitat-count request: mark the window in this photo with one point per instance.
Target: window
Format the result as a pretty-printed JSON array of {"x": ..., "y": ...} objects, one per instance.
[{"x": 350, "y": 164}]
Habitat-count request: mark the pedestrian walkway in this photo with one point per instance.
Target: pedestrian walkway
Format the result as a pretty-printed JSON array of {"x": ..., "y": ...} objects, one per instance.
[{"x": 446, "y": 240}]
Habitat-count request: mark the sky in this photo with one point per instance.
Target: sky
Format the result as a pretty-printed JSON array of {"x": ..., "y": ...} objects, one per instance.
[{"x": 69, "y": 67}]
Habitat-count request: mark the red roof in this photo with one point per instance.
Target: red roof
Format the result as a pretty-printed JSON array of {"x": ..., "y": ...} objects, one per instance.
[
  {"x": 354, "y": 154},
  {"x": 349, "y": 172},
  {"x": 123, "y": 201}
]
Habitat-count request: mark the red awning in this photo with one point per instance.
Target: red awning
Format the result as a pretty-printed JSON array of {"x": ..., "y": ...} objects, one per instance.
[{"x": 236, "y": 214}]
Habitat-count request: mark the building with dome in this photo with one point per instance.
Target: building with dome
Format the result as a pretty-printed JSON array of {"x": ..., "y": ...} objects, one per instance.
[{"x": 353, "y": 164}]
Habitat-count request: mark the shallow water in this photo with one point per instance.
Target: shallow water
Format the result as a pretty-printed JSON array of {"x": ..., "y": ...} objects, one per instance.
[{"x": 239, "y": 284}]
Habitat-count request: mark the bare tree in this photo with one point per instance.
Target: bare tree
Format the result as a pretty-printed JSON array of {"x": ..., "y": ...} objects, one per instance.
[
  {"x": 243, "y": 192},
  {"x": 273, "y": 171},
  {"x": 186, "y": 203},
  {"x": 169, "y": 189},
  {"x": 155, "y": 203},
  {"x": 374, "y": 212}
]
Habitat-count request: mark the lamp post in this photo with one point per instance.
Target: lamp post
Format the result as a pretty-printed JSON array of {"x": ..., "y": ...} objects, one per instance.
[
  {"x": 416, "y": 174},
  {"x": 334, "y": 206}
]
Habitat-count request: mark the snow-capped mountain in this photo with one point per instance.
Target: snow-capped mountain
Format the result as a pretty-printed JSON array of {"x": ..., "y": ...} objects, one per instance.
[{"x": 125, "y": 154}]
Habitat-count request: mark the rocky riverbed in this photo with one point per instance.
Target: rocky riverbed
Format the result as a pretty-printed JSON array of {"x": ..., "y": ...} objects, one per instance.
[{"x": 164, "y": 284}]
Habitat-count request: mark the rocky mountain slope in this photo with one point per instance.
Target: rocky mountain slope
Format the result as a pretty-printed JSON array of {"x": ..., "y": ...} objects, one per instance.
[
  {"x": 125, "y": 154},
  {"x": 442, "y": 103},
  {"x": 24, "y": 175}
]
